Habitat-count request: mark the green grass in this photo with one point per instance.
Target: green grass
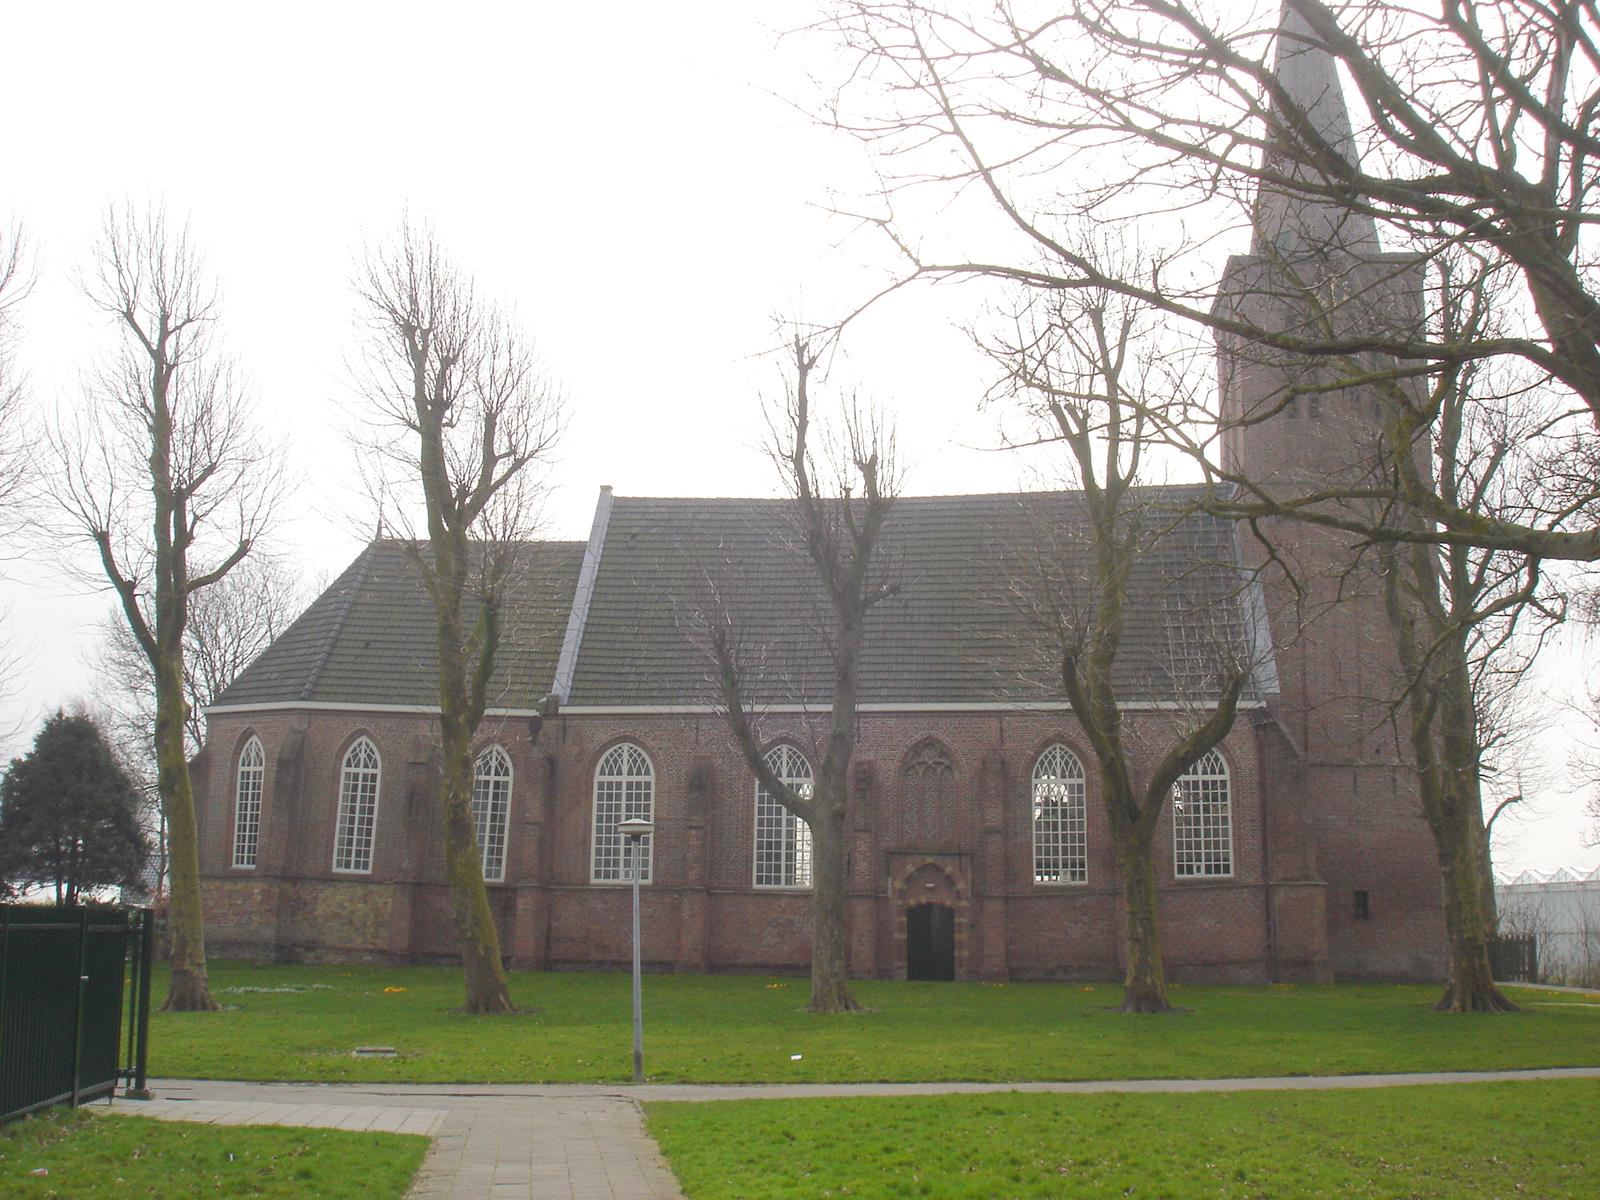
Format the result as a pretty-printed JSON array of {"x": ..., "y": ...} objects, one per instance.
[
  {"x": 1459, "y": 1142},
  {"x": 302, "y": 1022},
  {"x": 94, "y": 1157}
]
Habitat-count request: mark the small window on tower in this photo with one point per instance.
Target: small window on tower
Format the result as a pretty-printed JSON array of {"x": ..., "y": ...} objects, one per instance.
[{"x": 1362, "y": 910}]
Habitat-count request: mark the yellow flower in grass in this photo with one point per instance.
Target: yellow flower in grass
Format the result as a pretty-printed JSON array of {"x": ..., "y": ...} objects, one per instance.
[{"x": 389, "y": 991}]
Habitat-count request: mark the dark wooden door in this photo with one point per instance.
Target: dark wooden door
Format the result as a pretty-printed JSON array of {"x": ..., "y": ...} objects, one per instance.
[{"x": 931, "y": 942}]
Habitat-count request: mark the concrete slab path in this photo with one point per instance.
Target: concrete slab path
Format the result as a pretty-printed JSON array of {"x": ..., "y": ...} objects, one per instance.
[
  {"x": 588, "y": 1142},
  {"x": 487, "y": 1144}
]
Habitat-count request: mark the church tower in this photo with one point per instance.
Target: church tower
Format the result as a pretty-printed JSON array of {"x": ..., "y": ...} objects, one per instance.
[{"x": 1316, "y": 273}]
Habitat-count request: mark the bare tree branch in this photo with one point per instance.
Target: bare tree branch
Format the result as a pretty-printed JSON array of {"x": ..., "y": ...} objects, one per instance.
[{"x": 465, "y": 417}]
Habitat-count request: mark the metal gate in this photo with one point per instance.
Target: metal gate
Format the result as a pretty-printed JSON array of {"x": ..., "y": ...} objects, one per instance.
[
  {"x": 1514, "y": 959},
  {"x": 66, "y": 977}
]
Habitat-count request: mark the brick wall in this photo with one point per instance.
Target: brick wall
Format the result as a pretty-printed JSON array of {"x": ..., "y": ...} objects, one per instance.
[{"x": 702, "y": 912}]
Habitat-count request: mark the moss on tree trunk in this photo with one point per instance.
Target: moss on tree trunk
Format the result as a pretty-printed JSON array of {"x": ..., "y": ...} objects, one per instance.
[
  {"x": 479, "y": 940},
  {"x": 830, "y": 987},
  {"x": 1144, "y": 980},
  {"x": 188, "y": 989},
  {"x": 1442, "y": 706},
  {"x": 1469, "y": 924},
  {"x": 460, "y": 708}
]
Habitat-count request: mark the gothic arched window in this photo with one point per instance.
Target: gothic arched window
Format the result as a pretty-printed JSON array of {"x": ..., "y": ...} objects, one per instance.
[
  {"x": 358, "y": 807},
  {"x": 1060, "y": 827},
  {"x": 930, "y": 801},
  {"x": 624, "y": 790},
  {"x": 1202, "y": 819},
  {"x": 247, "y": 803},
  {"x": 783, "y": 840},
  {"x": 491, "y": 809}
]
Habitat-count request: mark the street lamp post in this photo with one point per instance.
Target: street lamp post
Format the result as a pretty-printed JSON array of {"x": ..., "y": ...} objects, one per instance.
[{"x": 634, "y": 830}]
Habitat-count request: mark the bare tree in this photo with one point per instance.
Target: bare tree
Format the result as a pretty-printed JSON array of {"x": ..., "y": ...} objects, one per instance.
[
  {"x": 1081, "y": 366},
  {"x": 15, "y": 282},
  {"x": 841, "y": 530},
  {"x": 467, "y": 414},
  {"x": 162, "y": 470},
  {"x": 1480, "y": 125},
  {"x": 1467, "y": 620},
  {"x": 15, "y": 440}
]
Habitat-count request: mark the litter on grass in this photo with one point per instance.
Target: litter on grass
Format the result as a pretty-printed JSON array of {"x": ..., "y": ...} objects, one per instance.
[{"x": 288, "y": 987}]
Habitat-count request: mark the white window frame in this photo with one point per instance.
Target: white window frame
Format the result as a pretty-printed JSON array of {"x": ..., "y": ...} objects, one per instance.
[
  {"x": 1202, "y": 820},
  {"x": 355, "y": 830},
  {"x": 779, "y": 832},
  {"x": 248, "y": 782},
  {"x": 491, "y": 809},
  {"x": 1061, "y": 839},
  {"x": 624, "y": 790}
]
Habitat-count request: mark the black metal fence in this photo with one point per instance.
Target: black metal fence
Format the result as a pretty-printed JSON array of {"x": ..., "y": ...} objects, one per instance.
[
  {"x": 67, "y": 975},
  {"x": 1514, "y": 959}
]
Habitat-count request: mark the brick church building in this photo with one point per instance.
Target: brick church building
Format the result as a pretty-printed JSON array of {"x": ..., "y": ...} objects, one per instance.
[{"x": 978, "y": 845}]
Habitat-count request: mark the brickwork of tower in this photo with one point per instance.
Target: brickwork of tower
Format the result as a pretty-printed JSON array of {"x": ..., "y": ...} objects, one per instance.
[{"x": 1317, "y": 272}]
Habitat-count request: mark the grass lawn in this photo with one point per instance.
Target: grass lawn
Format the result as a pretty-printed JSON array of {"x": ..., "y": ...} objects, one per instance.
[
  {"x": 89, "y": 1156},
  {"x": 302, "y": 1022},
  {"x": 1458, "y": 1142}
]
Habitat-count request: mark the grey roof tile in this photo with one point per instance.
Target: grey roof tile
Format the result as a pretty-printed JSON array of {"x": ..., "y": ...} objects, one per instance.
[
  {"x": 963, "y": 627},
  {"x": 370, "y": 639}
]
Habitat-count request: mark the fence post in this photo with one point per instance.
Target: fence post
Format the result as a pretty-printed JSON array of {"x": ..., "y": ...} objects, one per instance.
[
  {"x": 77, "y": 1019},
  {"x": 147, "y": 958},
  {"x": 5, "y": 953},
  {"x": 130, "y": 970}
]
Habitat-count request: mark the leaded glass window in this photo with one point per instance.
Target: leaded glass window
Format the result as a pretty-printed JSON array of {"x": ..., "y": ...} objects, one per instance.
[
  {"x": 1202, "y": 819},
  {"x": 491, "y": 809},
  {"x": 624, "y": 790},
  {"x": 358, "y": 807},
  {"x": 783, "y": 840},
  {"x": 247, "y": 803},
  {"x": 1060, "y": 827}
]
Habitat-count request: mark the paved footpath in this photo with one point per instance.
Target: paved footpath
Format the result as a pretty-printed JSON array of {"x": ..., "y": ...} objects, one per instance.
[{"x": 587, "y": 1141}]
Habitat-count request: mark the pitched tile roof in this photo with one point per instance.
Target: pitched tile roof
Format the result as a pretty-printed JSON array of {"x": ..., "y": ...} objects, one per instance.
[
  {"x": 369, "y": 639},
  {"x": 973, "y": 572}
]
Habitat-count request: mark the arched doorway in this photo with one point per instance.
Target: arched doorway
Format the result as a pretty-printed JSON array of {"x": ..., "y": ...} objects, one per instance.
[{"x": 931, "y": 942}]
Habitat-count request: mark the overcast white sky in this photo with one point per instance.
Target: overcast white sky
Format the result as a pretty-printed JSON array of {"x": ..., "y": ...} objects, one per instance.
[{"x": 638, "y": 179}]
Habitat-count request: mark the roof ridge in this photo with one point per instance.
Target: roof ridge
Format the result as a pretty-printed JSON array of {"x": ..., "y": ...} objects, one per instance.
[
  {"x": 582, "y": 594},
  {"x": 1196, "y": 485},
  {"x": 341, "y": 615}
]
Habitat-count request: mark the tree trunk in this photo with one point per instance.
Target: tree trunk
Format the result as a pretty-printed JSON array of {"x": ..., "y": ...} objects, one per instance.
[
  {"x": 830, "y": 987},
  {"x": 1144, "y": 982},
  {"x": 189, "y": 989},
  {"x": 487, "y": 991},
  {"x": 482, "y": 970},
  {"x": 1468, "y": 923}
]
